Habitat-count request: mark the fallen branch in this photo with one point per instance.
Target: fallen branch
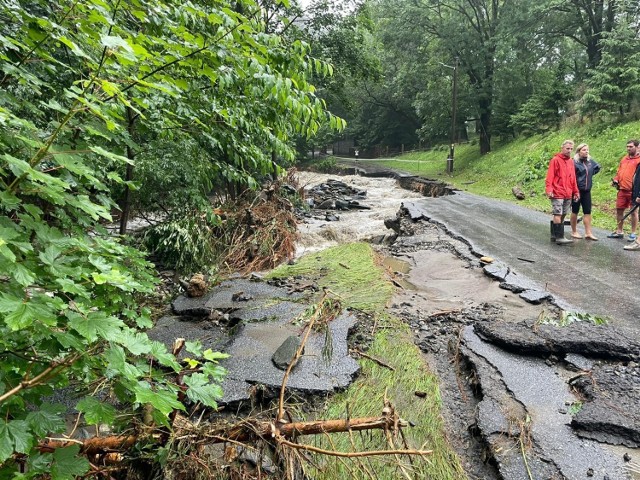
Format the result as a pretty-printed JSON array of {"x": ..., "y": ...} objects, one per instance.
[
  {"x": 373, "y": 359},
  {"x": 320, "y": 313},
  {"x": 92, "y": 446},
  {"x": 237, "y": 433},
  {"x": 42, "y": 377},
  {"x": 244, "y": 432},
  {"x": 440, "y": 313},
  {"x": 301, "y": 288},
  {"x": 370, "y": 453}
]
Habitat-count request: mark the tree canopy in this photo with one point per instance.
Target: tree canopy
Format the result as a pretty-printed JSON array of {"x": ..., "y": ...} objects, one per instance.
[
  {"x": 522, "y": 67},
  {"x": 201, "y": 98}
]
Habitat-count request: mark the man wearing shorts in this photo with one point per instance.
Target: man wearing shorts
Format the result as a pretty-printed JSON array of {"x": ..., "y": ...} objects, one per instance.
[
  {"x": 623, "y": 181},
  {"x": 561, "y": 188}
]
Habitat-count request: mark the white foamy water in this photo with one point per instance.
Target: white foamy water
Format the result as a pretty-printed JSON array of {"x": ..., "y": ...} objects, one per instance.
[{"x": 384, "y": 197}]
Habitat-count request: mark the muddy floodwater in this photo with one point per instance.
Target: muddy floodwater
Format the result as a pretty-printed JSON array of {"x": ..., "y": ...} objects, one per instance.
[{"x": 384, "y": 197}]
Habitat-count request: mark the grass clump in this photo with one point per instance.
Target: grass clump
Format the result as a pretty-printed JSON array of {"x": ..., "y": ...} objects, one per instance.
[
  {"x": 350, "y": 271},
  {"x": 354, "y": 273},
  {"x": 567, "y": 318}
]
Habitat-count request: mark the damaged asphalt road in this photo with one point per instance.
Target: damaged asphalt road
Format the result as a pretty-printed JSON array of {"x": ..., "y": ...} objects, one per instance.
[
  {"x": 595, "y": 277},
  {"x": 522, "y": 399}
]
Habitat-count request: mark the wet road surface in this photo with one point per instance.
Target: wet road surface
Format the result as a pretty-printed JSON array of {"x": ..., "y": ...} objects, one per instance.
[{"x": 600, "y": 278}]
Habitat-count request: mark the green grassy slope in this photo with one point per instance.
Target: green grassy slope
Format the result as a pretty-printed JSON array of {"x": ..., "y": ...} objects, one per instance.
[{"x": 524, "y": 162}]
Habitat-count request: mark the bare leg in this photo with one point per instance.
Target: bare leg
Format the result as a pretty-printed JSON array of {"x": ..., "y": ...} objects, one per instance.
[
  {"x": 634, "y": 221},
  {"x": 587, "y": 226},
  {"x": 619, "y": 215},
  {"x": 574, "y": 223}
]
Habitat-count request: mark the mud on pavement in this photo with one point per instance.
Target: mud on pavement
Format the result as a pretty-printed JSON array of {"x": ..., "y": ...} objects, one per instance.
[{"x": 522, "y": 398}]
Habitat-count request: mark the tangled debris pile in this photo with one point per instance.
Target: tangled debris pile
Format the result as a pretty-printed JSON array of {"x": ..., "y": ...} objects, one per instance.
[{"x": 262, "y": 233}]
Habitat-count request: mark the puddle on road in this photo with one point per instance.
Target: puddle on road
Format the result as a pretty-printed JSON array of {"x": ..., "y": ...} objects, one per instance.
[
  {"x": 398, "y": 268},
  {"x": 396, "y": 265}
]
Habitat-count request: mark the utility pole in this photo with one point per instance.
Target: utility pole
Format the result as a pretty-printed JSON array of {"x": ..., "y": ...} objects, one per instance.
[{"x": 454, "y": 107}]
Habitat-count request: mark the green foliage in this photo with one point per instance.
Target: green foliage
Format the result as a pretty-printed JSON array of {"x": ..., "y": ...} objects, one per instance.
[
  {"x": 567, "y": 318},
  {"x": 339, "y": 33},
  {"x": 574, "y": 408},
  {"x": 196, "y": 94},
  {"x": 535, "y": 169},
  {"x": 186, "y": 241},
  {"x": 326, "y": 165},
  {"x": 614, "y": 85},
  {"x": 367, "y": 395},
  {"x": 541, "y": 111}
]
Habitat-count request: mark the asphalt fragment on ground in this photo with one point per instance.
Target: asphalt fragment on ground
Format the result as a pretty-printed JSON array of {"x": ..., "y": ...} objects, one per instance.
[{"x": 249, "y": 319}]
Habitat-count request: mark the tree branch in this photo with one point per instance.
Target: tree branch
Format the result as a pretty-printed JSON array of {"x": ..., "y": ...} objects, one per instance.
[
  {"x": 42, "y": 376},
  {"x": 370, "y": 453}
]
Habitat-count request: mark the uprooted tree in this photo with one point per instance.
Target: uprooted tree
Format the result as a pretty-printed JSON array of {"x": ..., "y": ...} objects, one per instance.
[{"x": 196, "y": 94}]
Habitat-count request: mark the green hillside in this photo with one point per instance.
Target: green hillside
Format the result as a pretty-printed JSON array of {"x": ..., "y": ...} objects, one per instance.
[{"x": 524, "y": 162}]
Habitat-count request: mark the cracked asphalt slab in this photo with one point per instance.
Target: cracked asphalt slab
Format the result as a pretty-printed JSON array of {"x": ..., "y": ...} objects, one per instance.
[
  {"x": 544, "y": 395},
  {"x": 507, "y": 395}
]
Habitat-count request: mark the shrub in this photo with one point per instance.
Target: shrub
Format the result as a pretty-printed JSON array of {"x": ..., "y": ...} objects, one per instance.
[{"x": 186, "y": 241}]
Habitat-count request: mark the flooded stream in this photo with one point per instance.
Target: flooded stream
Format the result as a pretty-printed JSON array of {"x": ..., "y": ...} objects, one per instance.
[{"x": 384, "y": 196}]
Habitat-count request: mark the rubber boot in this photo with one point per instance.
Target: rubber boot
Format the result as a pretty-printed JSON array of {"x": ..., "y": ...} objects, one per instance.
[
  {"x": 559, "y": 229},
  {"x": 553, "y": 233}
]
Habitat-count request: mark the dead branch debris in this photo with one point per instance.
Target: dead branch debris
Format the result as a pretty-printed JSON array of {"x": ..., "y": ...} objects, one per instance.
[
  {"x": 260, "y": 231},
  {"x": 280, "y": 435},
  {"x": 442, "y": 313},
  {"x": 373, "y": 359},
  {"x": 281, "y": 432}
]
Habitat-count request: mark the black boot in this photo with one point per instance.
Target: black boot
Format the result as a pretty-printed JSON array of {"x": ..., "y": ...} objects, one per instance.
[
  {"x": 559, "y": 231},
  {"x": 553, "y": 233}
]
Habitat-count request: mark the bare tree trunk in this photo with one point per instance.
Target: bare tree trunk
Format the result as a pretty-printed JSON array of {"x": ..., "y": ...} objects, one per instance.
[{"x": 125, "y": 205}]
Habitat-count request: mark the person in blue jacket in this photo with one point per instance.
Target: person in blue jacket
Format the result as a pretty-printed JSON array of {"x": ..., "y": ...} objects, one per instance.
[{"x": 586, "y": 168}]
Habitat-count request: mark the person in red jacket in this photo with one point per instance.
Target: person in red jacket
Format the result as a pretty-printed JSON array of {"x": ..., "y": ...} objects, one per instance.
[
  {"x": 623, "y": 181},
  {"x": 561, "y": 188}
]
